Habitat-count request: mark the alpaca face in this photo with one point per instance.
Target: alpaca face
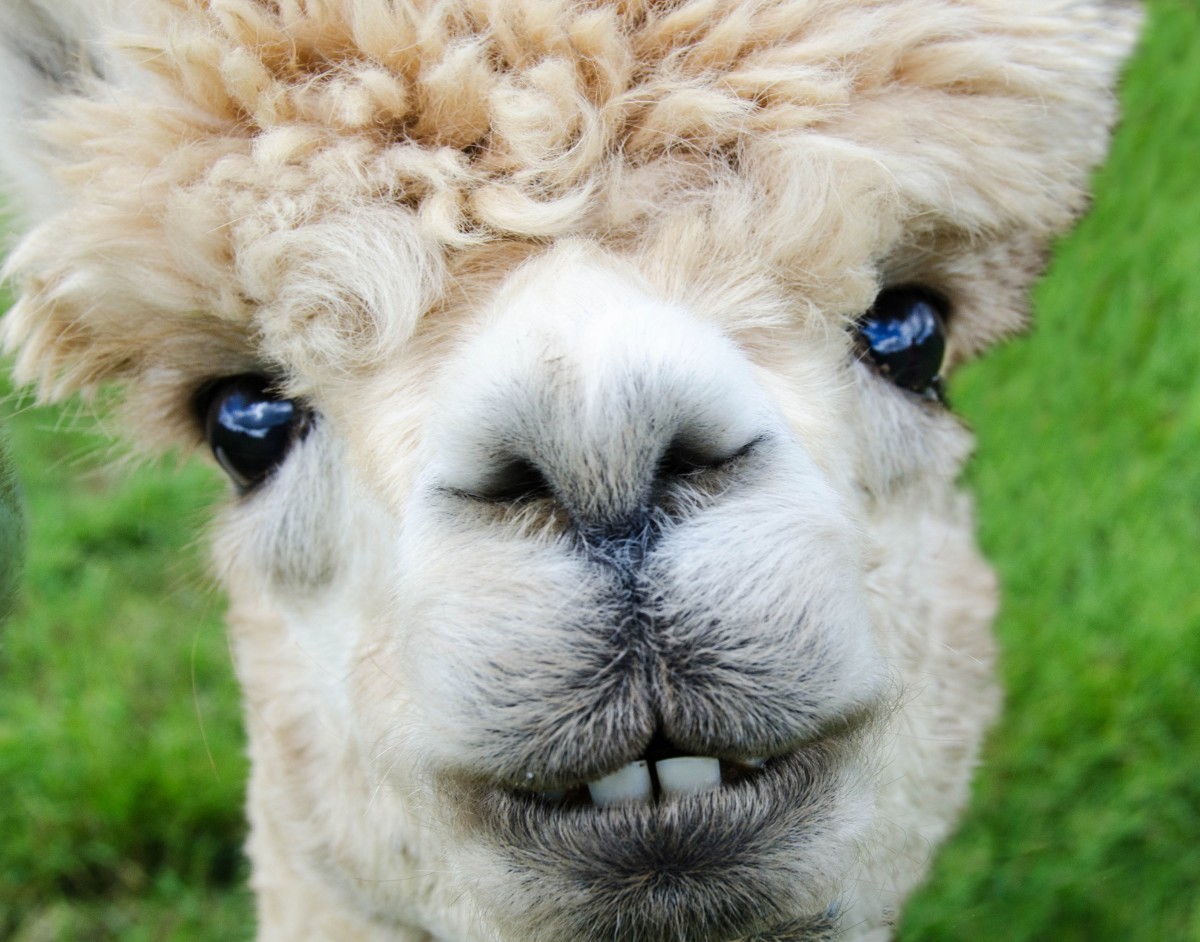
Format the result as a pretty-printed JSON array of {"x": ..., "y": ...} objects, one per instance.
[
  {"x": 595, "y": 560},
  {"x": 615, "y": 539}
]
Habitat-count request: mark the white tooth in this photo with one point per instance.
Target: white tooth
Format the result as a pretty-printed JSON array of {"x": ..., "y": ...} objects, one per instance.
[
  {"x": 628, "y": 784},
  {"x": 755, "y": 763},
  {"x": 688, "y": 775}
]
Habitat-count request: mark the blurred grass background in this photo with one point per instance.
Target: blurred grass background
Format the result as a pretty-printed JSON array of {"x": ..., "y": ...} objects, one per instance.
[
  {"x": 121, "y": 767},
  {"x": 1085, "y": 823},
  {"x": 12, "y": 530}
]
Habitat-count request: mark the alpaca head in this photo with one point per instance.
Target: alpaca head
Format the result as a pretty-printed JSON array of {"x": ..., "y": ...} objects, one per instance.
[{"x": 595, "y": 561}]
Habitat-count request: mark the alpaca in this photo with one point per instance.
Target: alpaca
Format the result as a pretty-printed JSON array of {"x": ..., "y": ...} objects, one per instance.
[{"x": 595, "y": 560}]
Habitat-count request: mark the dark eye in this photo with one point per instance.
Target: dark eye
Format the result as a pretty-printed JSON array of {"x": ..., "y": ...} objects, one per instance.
[
  {"x": 250, "y": 428},
  {"x": 904, "y": 334}
]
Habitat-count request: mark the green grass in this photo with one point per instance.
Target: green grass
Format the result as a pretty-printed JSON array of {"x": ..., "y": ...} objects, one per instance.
[
  {"x": 120, "y": 744},
  {"x": 120, "y": 730},
  {"x": 12, "y": 530}
]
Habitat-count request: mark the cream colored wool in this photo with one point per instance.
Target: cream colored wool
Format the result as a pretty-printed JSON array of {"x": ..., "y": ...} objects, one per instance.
[{"x": 460, "y": 230}]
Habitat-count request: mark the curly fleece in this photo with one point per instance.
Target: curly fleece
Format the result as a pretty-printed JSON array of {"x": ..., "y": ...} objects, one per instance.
[{"x": 219, "y": 174}]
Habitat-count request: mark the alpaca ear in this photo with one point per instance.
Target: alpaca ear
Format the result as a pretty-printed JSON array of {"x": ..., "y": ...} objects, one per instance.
[{"x": 47, "y": 48}]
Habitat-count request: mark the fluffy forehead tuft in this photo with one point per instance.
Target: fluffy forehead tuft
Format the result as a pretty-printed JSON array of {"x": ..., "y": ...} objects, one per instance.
[{"x": 298, "y": 181}]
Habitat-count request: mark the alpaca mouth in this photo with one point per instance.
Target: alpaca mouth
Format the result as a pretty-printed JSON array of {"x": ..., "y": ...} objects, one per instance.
[
  {"x": 665, "y": 783},
  {"x": 673, "y": 846}
]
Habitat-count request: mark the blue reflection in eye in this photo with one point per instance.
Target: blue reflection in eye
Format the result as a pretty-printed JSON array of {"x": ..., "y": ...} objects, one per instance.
[
  {"x": 894, "y": 336},
  {"x": 243, "y": 415}
]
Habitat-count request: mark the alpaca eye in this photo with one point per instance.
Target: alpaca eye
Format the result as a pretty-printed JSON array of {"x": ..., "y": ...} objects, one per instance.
[
  {"x": 250, "y": 428},
  {"x": 904, "y": 334}
]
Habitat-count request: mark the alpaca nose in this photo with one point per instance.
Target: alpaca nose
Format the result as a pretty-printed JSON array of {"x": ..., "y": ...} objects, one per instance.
[
  {"x": 608, "y": 402},
  {"x": 611, "y": 494}
]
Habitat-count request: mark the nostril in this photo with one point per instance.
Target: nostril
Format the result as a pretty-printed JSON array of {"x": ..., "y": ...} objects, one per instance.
[
  {"x": 681, "y": 459},
  {"x": 517, "y": 479},
  {"x": 686, "y": 456}
]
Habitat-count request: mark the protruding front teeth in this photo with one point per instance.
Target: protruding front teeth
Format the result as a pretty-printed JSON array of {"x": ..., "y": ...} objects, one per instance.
[
  {"x": 636, "y": 782},
  {"x": 640, "y": 782},
  {"x": 688, "y": 775},
  {"x": 628, "y": 784}
]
